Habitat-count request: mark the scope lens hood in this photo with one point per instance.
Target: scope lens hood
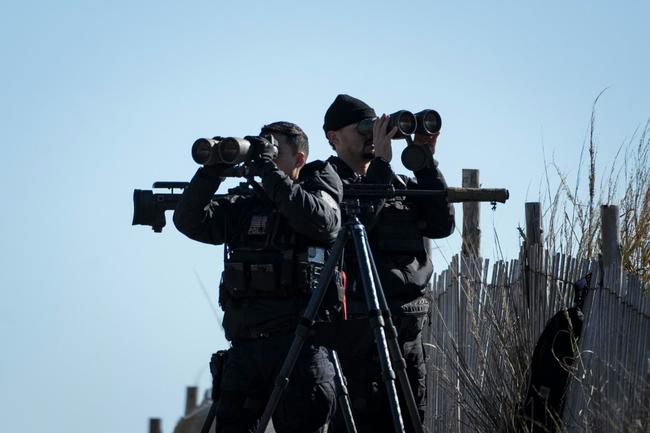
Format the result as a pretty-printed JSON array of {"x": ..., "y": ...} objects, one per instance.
[{"x": 414, "y": 157}]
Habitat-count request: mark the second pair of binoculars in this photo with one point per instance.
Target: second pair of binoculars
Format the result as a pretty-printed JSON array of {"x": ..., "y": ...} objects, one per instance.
[{"x": 427, "y": 122}]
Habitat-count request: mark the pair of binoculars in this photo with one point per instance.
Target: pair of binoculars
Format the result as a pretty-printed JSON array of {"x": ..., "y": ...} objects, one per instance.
[
  {"x": 228, "y": 150},
  {"x": 425, "y": 122}
]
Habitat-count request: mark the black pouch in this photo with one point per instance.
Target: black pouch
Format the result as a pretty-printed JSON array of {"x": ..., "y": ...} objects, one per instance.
[
  {"x": 286, "y": 270},
  {"x": 263, "y": 278},
  {"x": 234, "y": 279},
  {"x": 301, "y": 278}
]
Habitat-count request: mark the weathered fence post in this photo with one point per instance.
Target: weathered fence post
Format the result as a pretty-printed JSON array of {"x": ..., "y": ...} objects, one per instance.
[
  {"x": 471, "y": 218},
  {"x": 611, "y": 249},
  {"x": 470, "y": 272},
  {"x": 532, "y": 251},
  {"x": 533, "y": 223},
  {"x": 190, "y": 399},
  {"x": 155, "y": 425},
  {"x": 471, "y": 249}
]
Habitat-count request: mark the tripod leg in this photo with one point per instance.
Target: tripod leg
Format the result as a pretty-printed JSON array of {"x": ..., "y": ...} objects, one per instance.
[
  {"x": 359, "y": 238},
  {"x": 303, "y": 330},
  {"x": 210, "y": 418},
  {"x": 342, "y": 393},
  {"x": 396, "y": 352}
]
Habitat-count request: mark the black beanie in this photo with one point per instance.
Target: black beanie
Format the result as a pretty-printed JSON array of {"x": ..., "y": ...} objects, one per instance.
[{"x": 346, "y": 110}]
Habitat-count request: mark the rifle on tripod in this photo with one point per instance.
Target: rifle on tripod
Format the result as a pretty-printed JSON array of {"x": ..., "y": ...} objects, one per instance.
[{"x": 149, "y": 207}]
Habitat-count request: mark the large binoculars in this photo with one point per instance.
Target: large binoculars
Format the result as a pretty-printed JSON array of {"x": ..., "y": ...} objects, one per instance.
[
  {"x": 229, "y": 150},
  {"x": 426, "y": 122}
]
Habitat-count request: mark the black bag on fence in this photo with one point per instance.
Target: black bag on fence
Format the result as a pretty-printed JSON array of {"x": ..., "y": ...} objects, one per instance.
[{"x": 553, "y": 360}]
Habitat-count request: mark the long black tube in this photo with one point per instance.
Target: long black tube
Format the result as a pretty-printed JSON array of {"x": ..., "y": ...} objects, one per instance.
[{"x": 149, "y": 207}]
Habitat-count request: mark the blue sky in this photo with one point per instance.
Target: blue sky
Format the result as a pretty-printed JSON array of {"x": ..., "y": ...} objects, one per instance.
[{"x": 104, "y": 324}]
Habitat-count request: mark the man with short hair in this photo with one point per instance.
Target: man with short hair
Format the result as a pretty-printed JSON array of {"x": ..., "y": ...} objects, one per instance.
[
  {"x": 396, "y": 232},
  {"x": 268, "y": 238}
]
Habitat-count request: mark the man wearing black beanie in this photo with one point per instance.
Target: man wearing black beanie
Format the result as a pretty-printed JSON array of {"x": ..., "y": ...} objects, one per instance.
[{"x": 396, "y": 232}]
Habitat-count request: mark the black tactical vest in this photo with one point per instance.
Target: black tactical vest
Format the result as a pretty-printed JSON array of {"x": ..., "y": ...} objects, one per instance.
[
  {"x": 267, "y": 258},
  {"x": 398, "y": 229}
]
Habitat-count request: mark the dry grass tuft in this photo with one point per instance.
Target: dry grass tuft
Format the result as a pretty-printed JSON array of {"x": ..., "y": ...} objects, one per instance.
[{"x": 573, "y": 215}]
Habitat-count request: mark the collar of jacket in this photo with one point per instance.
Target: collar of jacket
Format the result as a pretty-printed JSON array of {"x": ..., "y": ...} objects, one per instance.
[{"x": 344, "y": 171}]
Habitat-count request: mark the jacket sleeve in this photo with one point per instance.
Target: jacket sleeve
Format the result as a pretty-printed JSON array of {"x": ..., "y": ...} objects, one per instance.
[
  {"x": 379, "y": 172},
  {"x": 199, "y": 217},
  {"x": 312, "y": 204},
  {"x": 437, "y": 213}
]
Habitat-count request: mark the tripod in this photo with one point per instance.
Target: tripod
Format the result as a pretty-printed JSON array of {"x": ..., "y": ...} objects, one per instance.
[{"x": 379, "y": 317}]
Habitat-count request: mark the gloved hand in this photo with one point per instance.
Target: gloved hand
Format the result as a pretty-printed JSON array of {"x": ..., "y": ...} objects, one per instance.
[
  {"x": 266, "y": 151},
  {"x": 263, "y": 147}
]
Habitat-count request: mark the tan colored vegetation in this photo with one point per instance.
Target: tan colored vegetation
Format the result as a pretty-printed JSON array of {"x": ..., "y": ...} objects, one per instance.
[{"x": 573, "y": 215}]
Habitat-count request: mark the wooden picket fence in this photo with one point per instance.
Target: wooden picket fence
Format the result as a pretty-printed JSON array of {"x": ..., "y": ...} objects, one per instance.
[{"x": 485, "y": 321}]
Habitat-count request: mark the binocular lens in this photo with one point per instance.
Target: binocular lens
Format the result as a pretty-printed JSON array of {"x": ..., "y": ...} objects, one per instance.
[
  {"x": 405, "y": 122},
  {"x": 233, "y": 151},
  {"x": 202, "y": 150},
  {"x": 428, "y": 121}
]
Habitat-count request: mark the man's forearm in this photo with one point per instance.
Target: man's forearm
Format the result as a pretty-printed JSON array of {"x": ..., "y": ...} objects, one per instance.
[{"x": 190, "y": 215}]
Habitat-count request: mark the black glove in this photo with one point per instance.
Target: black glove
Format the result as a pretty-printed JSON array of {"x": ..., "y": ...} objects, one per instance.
[
  {"x": 265, "y": 152},
  {"x": 263, "y": 147}
]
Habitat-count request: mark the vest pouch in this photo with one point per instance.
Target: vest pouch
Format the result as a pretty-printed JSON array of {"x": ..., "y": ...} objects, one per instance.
[
  {"x": 301, "y": 278},
  {"x": 234, "y": 279},
  {"x": 307, "y": 270},
  {"x": 263, "y": 278},
  {"x": 286, "y": 270}
]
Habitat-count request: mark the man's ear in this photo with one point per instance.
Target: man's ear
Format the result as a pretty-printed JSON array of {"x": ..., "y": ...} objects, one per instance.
[
  {"x": 332, "y": 138},
  {"x": 301, "y": 158}
]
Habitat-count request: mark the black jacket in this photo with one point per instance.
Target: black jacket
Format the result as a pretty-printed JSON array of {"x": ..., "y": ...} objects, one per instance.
[
  {"x": 396, "y": 232},
  {"x": 285, "y": 216}
]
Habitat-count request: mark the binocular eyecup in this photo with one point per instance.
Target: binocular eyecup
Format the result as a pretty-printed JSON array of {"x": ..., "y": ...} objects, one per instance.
[{"x": 426, "y": 122}]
